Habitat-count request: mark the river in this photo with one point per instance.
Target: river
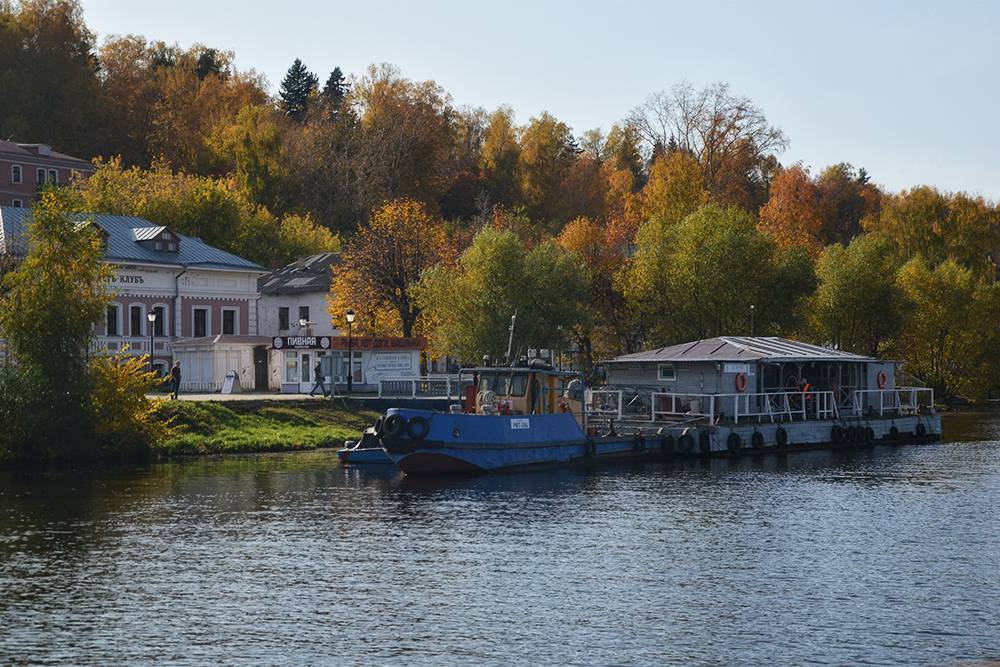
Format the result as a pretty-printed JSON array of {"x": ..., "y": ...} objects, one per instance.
[{"x": 879, "y": 556}]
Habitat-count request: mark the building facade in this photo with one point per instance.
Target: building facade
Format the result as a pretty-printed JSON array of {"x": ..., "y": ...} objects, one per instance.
[
  {"x": 294, "y": 313},
  {"x": 25, "y": 168},
  {"x": 200, "y": 296}
]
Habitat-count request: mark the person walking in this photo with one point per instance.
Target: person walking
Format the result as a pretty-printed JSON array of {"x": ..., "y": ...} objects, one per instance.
[
  {"x": 175, "y": 379},
  {"x": 318, "y": 380}
]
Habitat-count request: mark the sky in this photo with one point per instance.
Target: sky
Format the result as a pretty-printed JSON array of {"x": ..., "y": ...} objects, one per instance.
[{"x": 908, "y": 90}]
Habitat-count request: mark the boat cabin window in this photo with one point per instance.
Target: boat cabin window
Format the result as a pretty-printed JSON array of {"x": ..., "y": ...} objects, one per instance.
[{"x": 504, "y": 384}]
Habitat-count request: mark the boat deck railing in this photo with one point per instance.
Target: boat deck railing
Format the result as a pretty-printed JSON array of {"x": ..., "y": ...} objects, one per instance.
[{"x": 776, "y": 406}]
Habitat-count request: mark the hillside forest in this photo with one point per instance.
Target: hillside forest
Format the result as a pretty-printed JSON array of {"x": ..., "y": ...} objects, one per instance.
[{"x": 679, "y": 221}]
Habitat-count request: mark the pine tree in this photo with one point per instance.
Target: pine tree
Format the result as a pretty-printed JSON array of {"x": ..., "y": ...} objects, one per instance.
[
  {"x": 296, "y": 88},
  {"x": 333, "y": 94}
]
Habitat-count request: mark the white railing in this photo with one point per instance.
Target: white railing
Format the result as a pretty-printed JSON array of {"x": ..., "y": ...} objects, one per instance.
[
  {"x": 783, "y": 405},
  {"x": 668, "y": 405},
  {"x": 446, "y": 386},
  {"x": 898, "y": 401},
  {"x": 604, "y": 403}
]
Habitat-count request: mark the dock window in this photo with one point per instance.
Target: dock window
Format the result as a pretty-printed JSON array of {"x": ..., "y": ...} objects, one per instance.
[{"x": 666, "y": 373}]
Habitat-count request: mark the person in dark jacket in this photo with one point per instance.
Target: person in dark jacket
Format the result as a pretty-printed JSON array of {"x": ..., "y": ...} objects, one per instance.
[
  {"x": 175, "y": 379},
  {"x": 318, "y": 380}
]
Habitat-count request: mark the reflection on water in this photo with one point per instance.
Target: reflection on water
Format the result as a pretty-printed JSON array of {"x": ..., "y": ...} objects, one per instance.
[{"x": 888, "y": 555}]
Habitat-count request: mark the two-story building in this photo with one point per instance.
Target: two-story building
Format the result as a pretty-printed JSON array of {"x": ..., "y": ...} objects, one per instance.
[
  {"x": 25, "y": 168},
  {"x": 294, "y": 313},
  {"x": 174, "y": 296}
]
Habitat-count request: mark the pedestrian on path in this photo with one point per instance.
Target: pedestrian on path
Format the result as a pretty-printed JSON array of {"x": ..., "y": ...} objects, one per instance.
[
  {"x": 175, "y": 379},
  {"x": 318, "y": 380}
]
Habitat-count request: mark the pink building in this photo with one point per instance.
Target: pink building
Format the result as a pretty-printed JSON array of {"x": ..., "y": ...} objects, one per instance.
[{"x": 24, "y": 168}]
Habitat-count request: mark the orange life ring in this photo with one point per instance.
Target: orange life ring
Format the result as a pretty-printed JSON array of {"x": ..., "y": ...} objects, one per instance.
[
  {"x": 741, "y": 382},
  {"x": 882, "y": 379}
]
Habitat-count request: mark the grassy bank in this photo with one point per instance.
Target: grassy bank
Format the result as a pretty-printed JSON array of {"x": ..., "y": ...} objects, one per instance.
[{"x": 209, "y": 427}]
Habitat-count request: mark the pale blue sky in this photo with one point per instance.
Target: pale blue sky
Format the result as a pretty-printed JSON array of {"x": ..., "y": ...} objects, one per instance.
[{"x": 907, "y": 90}]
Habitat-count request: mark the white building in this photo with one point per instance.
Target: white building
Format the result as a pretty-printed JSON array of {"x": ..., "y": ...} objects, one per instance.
[{"x": 294, "y": 313}]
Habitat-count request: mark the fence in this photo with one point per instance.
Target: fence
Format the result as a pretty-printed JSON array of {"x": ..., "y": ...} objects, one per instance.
[{"x": 437, "y": 386}]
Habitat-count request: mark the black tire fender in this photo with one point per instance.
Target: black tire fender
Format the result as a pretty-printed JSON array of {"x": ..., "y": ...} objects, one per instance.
[{"x": 418, "y": 427}]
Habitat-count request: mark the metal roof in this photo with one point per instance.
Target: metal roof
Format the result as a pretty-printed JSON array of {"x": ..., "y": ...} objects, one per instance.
[
  {"x": 121, "y": 244},
  {"x": 308, "y": 274},
  {"x": 742, "y": 348}
]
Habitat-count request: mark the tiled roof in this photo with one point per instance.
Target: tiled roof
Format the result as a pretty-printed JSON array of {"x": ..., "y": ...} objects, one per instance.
[
  {"x": 741, "y": 348},
  {"x": 309, "y": 274},
  {"x": 121, "y": 244}
]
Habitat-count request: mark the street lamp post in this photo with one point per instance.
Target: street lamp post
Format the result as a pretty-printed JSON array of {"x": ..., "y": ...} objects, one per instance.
[
  {"x": 349, "y": 315},
  {"x": 151, "y": 318}
]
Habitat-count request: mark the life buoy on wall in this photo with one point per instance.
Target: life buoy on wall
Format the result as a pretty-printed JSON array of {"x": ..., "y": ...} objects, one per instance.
[
  {"x": 741, "y": 382},
  {"x": 882, "y": 379}
]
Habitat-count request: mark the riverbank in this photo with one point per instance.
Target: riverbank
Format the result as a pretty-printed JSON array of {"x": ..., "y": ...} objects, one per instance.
[{"x": 234, "y": 427}]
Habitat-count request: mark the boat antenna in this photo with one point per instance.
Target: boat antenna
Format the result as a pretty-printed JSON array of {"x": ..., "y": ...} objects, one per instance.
[{"x": 510, "y": 338}]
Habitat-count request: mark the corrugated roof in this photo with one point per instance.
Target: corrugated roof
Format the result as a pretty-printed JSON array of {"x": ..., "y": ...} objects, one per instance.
[
  {"x": 121, "y": 245},
  {"x": 309, "y": 274},
  {"x": 741, "y": 348}
]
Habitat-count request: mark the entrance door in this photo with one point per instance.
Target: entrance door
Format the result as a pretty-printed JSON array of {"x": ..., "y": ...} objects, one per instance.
[
  {"x": 305, "y": 371},
  {"x": 260, "y": 368}
]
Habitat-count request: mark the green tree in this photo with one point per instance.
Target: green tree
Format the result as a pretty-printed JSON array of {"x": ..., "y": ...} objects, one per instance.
[
  {"x": 699, "y": 278},
  {"x": 297, "y": 89},
  {"x": 468, "y": 307},
  {"x": 47, "y": 316},
  {"x": 949, "y": 338},
  {"x": 333, "y": 94},
  {"x": 857, "y": 304}
]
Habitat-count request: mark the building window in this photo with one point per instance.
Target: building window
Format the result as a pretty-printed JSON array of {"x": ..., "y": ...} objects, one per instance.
[
  {"x": 53, "y": 176},
  {"x": 666, "y": 373},
  {"x": 283, "y": 318},
  {"x": 159, "y": 325},
  {"x": 111, "y": 326},
  {"x": 304, "y": 313},
  {"x": 15, "y": 173},
  {"x": 17, "y": 203},
  {"x": 135, "y": 321},
  {"x": 40, "y": 177},
  {"x": 291, "y": 366},
  {"x": 229, "y": 322},
  {"x": 200, "y": 322}
]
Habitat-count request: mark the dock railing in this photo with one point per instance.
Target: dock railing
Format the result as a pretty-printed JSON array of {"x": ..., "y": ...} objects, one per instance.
[
  {"x": 898, "y": 401},
  {"x": 605, "y": 404},
  {"x": 438, "y": 386}
]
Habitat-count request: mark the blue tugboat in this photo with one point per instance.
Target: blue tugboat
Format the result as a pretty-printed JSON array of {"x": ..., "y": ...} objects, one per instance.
[{"x": 510, "y": 418}]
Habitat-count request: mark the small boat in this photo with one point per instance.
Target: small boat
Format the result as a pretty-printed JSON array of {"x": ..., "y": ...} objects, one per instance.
[{"x": 368, "y": 450}]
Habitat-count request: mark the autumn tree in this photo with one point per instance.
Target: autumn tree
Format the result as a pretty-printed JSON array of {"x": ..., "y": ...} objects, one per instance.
[
  {"x": 469, "y": 306},
  {"x": 297, "y": 89},
  {"x": 728, "y": 134},
  {"x": 857, "y": 305},
  {"x": 793, "y": 215},
  {"x": 674, "y": 189},
  {"x": 384, "y": 260}
]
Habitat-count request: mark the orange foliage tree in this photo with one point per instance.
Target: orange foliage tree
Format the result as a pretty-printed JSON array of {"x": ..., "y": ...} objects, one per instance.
[
  {"x": 384, "y": 260},
  {"x": 793, "y": 215}
]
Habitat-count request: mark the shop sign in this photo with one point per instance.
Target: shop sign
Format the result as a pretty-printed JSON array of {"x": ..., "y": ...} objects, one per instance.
[{"x": 301, "y": 342}]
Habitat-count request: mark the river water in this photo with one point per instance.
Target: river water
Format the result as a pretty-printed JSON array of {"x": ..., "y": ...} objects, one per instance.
[{"x": 881, "y": 556}]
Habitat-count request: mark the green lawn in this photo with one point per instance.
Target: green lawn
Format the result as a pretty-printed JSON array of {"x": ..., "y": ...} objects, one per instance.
[{"x": 209, "y": 427}]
